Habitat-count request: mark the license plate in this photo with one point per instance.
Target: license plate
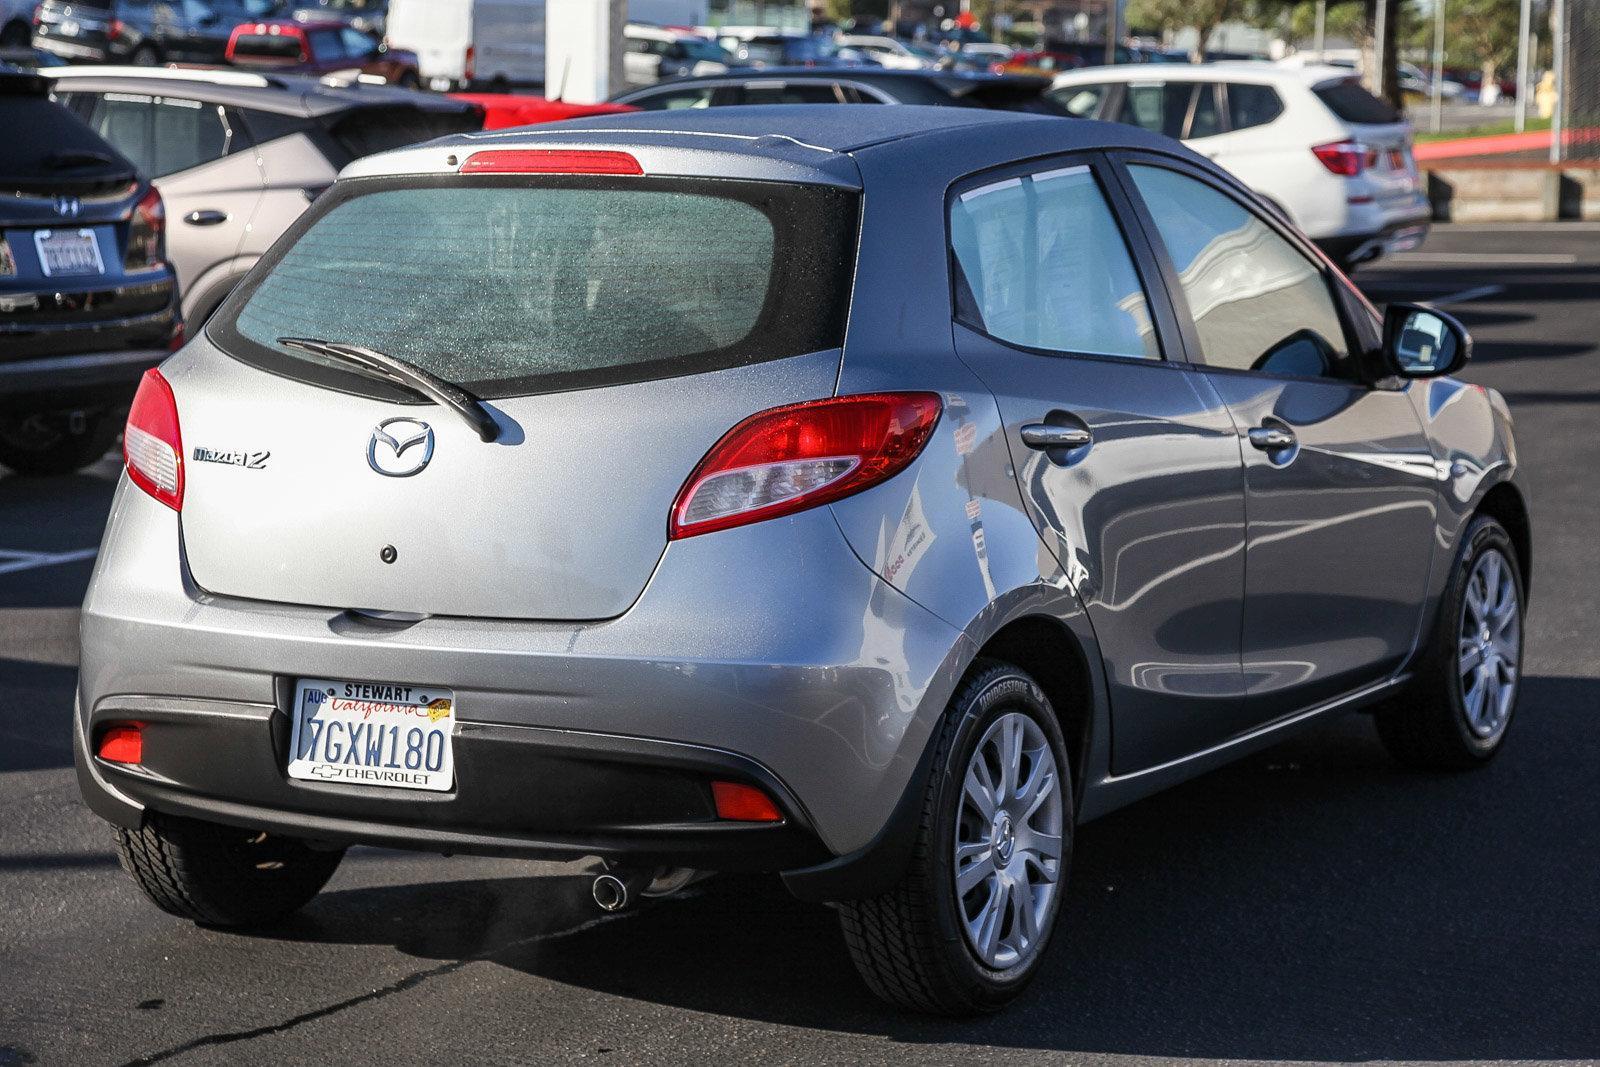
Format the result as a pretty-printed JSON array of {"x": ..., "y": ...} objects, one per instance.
[
  {"x": 63, "y": 253},
  {"x": 372, "y": 733}
]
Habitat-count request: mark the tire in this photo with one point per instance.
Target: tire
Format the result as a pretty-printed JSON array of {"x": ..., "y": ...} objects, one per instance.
[
  {"x": 146, "y": 55},
  {"x": 221, "y": 875},
  {"x": 1438, "y": 724},
  {"x": 913, "y": 945},
  {"x": 42, "y": 444},
  {"x": 409, "y": 80},
  {"x": 17, "y": 34}
]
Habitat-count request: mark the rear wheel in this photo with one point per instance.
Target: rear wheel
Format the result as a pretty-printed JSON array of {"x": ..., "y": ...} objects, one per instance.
[
  {"x": 1456, "y": 714},
  {"x": 55, "y": 442},
  {"x": 966, "y": 927},
  {"x": 17, "y": 34},
  {"x": 222, "y": 875},
  {"x": 146, "y": 55}
]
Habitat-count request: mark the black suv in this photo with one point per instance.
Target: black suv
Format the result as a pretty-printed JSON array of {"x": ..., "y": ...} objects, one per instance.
[
  {"x": 144, "y": 32},
  {"x": 88, "y": 301}
]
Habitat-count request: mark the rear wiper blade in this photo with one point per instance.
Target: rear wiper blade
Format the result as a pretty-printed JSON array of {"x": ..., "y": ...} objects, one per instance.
[{"x": 408, "y": 375}]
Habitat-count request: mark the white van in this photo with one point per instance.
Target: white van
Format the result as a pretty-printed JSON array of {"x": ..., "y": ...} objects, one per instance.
[{"x": 462, "y": 43}]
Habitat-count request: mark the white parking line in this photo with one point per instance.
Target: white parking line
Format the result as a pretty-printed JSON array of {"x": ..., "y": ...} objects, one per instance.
[
  {"x": 1495, "y": 259},
  {"x": 1468, "y": 294},
  {"x": 27, "y": 561}
]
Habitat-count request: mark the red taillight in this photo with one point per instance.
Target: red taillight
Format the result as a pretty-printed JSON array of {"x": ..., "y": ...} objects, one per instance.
[
  {"x": 797, "y": 457},
  {"x": 116, "y": 29},
  {"x": 1344, "y": 158},
  {"x": 122, "y": 743},
  {"x": 147, "y": 232},
  {"x": 550, "y": 161},
  {"x": 744, "y": 803},
  {"x": 469, "y": 64},
  {"x": 152, "y": 444},
  {"x": 38, "y": 15}
]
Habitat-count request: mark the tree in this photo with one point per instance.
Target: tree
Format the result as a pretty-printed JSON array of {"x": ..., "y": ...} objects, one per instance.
[
  {"x": 1204, "y": 16},
  {"x": 1485, "y": 29}
]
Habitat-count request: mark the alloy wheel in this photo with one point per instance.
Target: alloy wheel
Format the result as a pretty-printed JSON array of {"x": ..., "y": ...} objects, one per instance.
[
  {"x": 1008, "y": 841},
  {"x": 1490, "y": 645}
]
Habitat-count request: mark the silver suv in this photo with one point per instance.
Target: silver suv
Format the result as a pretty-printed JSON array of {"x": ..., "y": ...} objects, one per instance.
[{"x": 977, "y": 474}]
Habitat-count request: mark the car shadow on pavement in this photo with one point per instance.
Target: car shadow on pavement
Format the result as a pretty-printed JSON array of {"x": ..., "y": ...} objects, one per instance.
[{"x": 1311, "y": 902}]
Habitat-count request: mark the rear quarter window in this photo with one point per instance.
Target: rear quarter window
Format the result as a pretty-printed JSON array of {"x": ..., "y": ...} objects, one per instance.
[
  {"x": 1347, "y": 99},
  {"x": 1252, "y": 105},
  {"x": 512, "y": 286}
]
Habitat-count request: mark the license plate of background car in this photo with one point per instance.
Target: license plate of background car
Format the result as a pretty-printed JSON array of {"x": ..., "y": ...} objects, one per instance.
[
  {"x": 63, "y": 253},
  {"x": 372, "y": 733}
]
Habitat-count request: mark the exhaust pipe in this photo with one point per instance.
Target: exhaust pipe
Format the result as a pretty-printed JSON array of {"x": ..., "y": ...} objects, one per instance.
[{"x": 615, "y": 891}]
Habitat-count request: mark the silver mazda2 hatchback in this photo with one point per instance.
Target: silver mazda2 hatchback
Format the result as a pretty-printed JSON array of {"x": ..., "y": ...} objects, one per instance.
[{"x": 868, "y": 495}]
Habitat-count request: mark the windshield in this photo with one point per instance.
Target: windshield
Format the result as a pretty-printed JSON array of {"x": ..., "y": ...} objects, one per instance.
[{"x": 511, "y": 286}]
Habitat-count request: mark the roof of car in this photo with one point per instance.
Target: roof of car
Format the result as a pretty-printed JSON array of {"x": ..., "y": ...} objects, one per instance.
[
  {"x": 861, "y": 73},
  {"x": 779, "y": 142},
  {"x": 1238, "y": 70},
  {"x": 830, "y": 127},
  {"x": 287, "y": 94}
]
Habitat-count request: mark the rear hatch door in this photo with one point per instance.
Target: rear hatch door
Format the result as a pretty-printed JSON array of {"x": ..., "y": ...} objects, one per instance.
[{"x": 614, "y": 327}]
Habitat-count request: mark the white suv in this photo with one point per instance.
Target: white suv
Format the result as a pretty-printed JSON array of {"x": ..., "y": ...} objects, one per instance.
[{"x": 1331, "y": 156}]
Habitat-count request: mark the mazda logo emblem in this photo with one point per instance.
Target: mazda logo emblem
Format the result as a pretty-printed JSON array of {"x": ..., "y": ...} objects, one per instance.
[
  {"x": 400, "y": 447},
  {"x": 68, "y": 207}
]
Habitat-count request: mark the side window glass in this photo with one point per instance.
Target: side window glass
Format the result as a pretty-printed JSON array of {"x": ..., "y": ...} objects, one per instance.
[
  {"x": 1080, "y": 100},
  {"x": 187, "y": 134},
  {"x": 124, "y": 119},
  {"x": 1040, "y": 263},
  {"x": 356, "y": 44},
  {"x": 1207, "y": 122},
  {"x": 326, "y": 45},
  {"x": 1252, "y": 105},
  {"x": 1257, "y": 302},
  {"x": 696, "y": 97},
  {"x": 799, "y": 93},
  {"x": 1159, "y": 107}
]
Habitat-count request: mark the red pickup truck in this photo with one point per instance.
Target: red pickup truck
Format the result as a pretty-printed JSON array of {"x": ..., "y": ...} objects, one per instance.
[{"x": 320, "y": 48}]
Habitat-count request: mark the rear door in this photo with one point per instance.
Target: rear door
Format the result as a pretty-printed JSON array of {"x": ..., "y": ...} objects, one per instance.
[
  {"x": 614, "y": 327},
  {"x": 1340, "y": 480},
  {"x": 1128, "y": 464},
  {"x": 210, "y": 182}
]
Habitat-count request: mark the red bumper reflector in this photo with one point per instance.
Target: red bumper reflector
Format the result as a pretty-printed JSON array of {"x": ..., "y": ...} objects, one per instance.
[
  {"x": 549, "y": 161},
  {"x": 744, "y": 803},
  {"x": 123, "y": 743}
]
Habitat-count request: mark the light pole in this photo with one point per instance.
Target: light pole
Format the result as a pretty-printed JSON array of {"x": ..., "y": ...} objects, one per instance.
[
  {"x": 1438, "y": 64},
  {"x": 1379, "y": 25},
  {"x": 1523, "y": 60},
  {"x": 1558, "y": 54},
  {"x": 1322, "y": 29}
]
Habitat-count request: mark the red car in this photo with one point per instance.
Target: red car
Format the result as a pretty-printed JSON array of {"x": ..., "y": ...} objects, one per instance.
[{"x": 320, "y": 48}]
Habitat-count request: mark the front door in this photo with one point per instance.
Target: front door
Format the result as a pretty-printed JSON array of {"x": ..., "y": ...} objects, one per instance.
[
  {"x": 1128, "y": 466},
  {"x": 1340, "y": 481}
]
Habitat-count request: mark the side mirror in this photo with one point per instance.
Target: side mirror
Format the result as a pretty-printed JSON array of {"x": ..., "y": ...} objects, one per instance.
[{"x": 1421, "y": 342}]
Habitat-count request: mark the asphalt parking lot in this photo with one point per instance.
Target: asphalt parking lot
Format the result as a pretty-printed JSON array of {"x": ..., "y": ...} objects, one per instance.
[{"x": 1312, "y": 903}]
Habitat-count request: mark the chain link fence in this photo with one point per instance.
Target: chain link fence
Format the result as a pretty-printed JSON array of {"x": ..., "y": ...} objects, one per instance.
[{"x": 1580, "y": 104}]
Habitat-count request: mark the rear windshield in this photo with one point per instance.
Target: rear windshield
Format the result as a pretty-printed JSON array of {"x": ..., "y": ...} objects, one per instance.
[
  {"x": 366, "y": 131},
  {"x": 1347, "y": 99},
  {"x": 261, "y": 47},
  {"x": 510, "y": 285}
]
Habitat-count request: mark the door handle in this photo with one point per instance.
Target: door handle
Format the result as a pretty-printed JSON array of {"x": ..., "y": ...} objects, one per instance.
[
  {"x": 1271, "y": 438},
  {"x": 1044, "y": 436},
  {"x": 206, "y": 217}
]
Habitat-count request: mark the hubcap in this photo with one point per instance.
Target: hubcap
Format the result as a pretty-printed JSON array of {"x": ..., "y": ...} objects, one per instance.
[
  {"x": 1490, "y": 645},
  {"x": 1008, "y": 841}
]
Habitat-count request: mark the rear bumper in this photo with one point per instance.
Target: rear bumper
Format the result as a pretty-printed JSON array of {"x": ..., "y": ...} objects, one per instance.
[
  {"x": 574, "y": 739},
  {"x": 109, "y": 377},
  {"x": 1397, "y": 233},
  {"x": 520, "y": 791}
]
